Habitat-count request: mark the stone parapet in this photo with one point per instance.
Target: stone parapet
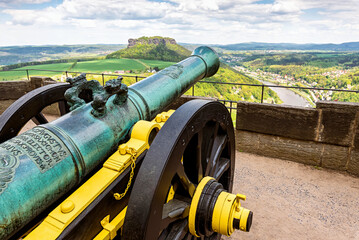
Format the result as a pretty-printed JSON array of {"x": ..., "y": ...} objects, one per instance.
[
  {"x": 285, "y": 121},
  {"x": 13, "y": 90},
  {"x": 326, "y": 136}
]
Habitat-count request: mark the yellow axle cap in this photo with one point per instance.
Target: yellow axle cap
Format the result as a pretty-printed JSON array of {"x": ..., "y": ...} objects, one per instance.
[{"x": 215, "y": 210}]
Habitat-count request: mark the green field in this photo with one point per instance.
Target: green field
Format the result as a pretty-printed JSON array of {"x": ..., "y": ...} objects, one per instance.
[
  {"x": 20, "y": 73},
  {"x": 157, "y": 63},
  {"x": 95, "y": 66},
  {"x": 112, "y": 65}
]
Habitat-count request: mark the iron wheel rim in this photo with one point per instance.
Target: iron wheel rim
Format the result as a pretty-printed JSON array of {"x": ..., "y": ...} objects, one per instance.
[{"x": 29, "y": 107}]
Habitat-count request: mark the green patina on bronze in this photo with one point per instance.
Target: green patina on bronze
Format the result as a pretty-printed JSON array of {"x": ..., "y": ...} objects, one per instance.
[{"x": 38, "y": 172}]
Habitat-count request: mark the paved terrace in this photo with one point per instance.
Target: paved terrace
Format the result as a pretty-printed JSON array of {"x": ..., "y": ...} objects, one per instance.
[{"x": 295, "y": 201}]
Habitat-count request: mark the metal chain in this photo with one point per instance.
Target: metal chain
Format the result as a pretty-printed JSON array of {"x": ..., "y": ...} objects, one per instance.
[{"x": 133, "y": 153}]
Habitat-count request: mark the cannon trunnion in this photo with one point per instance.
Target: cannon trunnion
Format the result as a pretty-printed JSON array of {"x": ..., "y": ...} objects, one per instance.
[{"x": 170, "y": 180}]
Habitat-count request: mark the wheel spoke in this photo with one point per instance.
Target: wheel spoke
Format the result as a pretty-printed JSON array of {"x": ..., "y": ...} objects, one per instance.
[
  {"x": 223, "y": 166},
  {"x": 39, "y": 119},
  {"x": 199, "y": 155},
  {"x": 178, "y": 231},
  {"x": 218, "y": 144},
  {"x": 163, "y": 235},
  {"x": 188, "y": 236},
  {"x": 63, "y": 107},
  {"x": 173, "y": 211},
  {"x": 215, "y": 133},
  {"x": 186, "y": 183}
]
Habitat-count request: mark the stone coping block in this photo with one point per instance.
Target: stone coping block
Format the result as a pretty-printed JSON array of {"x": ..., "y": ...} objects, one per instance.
[
  {"x": 353, "y": 166},
  {"x": 4, "y": 104},
  {"x": 12, "y": 90},
  {"x": 339, "y": 122},
  {"x": 356, "y": 138},
  {"x": 335, "y": 157},
  {"x": 343, "y": 106},
  {"x": 279, "y": 120},
  {"x": 279, "y": 147}
]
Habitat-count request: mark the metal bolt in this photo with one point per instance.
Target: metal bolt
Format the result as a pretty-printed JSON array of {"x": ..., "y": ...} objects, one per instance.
[{"x": 67, "y": 206}]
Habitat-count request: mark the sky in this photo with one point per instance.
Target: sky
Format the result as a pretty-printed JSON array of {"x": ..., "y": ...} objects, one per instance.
[{"x": 54, "y": 22}]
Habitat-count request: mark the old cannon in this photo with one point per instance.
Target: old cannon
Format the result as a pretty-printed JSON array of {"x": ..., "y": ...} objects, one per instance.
[{"x": 105, "y": 169}]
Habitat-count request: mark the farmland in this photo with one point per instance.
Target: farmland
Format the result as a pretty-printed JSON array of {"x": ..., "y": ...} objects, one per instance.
[{"x": 136, "y": 66}]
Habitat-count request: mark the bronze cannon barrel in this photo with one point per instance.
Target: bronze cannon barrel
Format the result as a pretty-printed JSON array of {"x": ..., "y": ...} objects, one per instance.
[{"x": 40, "y": 165}]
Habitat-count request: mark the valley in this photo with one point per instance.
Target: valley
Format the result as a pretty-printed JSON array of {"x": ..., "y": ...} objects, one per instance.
[{"x": 263, "y": 64}]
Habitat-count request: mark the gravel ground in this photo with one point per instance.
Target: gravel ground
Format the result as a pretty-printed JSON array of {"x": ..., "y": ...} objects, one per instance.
[{"x": 295, "y": 201}]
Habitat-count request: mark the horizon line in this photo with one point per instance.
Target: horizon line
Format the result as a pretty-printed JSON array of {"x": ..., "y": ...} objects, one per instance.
[{"x": 217, "y": 44}]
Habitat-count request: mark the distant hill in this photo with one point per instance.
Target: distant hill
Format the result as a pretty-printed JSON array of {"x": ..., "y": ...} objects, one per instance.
[
  {"x": 349, "y": 46},
  {"x": 20, "y": 54},
  {"x": 153, "y": 48}
]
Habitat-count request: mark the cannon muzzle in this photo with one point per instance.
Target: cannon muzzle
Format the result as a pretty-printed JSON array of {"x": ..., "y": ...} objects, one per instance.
[{"x": 42, "y": 164}]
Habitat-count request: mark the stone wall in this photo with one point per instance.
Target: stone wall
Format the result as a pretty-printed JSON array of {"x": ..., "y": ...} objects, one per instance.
[
  {"x": 10, "y": 91},
  {"x": 326, "y": 136}
]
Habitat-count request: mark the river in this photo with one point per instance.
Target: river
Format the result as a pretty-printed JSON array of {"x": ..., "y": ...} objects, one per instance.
[{"x": 288, "y": 97}]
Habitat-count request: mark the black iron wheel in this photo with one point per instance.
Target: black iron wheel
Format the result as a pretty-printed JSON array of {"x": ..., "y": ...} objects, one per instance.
[
  {"x": 196, "y": 141},
  {"x": 29, "y": 107}
]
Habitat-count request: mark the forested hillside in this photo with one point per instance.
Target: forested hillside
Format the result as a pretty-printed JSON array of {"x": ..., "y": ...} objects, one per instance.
[
  {"x": 348, "y": 46},
  {"x": 233, "y": 92},
  {"x": 330, "y": 70}
]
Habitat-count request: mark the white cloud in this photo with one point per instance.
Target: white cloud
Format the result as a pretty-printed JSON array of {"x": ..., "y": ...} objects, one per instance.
[
  {"x": 285, "y": 8},
  {"x": 49, "y": 16},
  {"x": 326, "y": 4},
  {"x": 10, "y": 3},
  {"x": 207, "y": 21},
  {"x": 112, "y": 9}
]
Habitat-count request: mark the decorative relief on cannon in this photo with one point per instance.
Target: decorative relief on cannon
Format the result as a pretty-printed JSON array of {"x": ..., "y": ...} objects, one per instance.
[
  {"x": 113, "y": 86},
  {"x": 8, "y": 165},
  {"x": 83, "y": 91},
  {"x": 173, "y": 71}
]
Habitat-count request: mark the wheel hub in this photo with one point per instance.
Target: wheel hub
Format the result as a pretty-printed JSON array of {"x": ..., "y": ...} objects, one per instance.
[{"x": 215, "y": 210}]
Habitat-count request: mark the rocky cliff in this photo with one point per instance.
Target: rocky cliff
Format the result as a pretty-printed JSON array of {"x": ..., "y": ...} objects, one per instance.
[
  {"x": 152, "y": 48},
  {"x": 150, "y": 40}
]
